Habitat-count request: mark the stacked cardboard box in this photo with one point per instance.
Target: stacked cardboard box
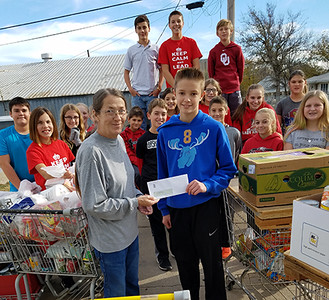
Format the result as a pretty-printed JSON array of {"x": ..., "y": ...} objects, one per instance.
[
  {"x": 270, "y": 181},
  {"x": 277, "y": 178}
]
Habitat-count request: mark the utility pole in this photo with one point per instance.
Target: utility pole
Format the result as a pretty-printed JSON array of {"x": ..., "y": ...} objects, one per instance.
[{"x": 231, "y": 15}]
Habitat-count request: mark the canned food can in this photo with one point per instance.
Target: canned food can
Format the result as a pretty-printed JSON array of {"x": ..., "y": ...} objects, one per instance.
[
  {"x": 325, "y": 205},
  {"x": 325, "y": 195}
]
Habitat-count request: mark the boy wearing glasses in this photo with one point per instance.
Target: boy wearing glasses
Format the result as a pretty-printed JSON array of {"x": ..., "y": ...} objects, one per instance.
[
  {"x": 141, "y": 58},
  {"x": 226, "y": 64}
]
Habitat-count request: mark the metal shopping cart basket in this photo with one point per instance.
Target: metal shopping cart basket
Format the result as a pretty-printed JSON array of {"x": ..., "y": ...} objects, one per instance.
[
  {"x": 311, "y": 283},
  {"x": 310, "y": 290},
  {"x": 50, "y": 242},
  {"x": 259, "y": 250}
]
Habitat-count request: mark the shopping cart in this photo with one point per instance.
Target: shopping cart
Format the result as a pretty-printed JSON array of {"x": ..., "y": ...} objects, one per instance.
[
  {"x": 311, "y": 283},
  {"x": 50, "y": 242},
  {"x": 310, "y": 290},
  {"x": 259, "y": 250}
]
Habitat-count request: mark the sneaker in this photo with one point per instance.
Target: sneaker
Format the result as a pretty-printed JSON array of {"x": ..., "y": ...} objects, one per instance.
[
  {"x": 226, "y": 252},
  {"x": 164, "y": 264}
]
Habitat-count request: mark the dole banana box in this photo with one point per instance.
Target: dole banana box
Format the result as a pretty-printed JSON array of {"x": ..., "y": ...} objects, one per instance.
[{"x": 279, "y": 177}]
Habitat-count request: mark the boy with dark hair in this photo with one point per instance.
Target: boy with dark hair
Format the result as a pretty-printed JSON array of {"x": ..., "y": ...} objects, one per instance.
[
  {"x": 191, "y": 143},
  {"x": 130, "y": 135},
  {"x": 147, "y": 76},
  {"x": 218, "y": 109},
  {"x": 146, "y": 150},
  {"x": 226, "y": 64},
  {"x": 179, "y": 51},
  {"x": 14, "y": 141}
]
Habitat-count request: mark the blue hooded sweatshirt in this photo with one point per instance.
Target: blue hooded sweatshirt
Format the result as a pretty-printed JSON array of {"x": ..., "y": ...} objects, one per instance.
[{"x": 200, "y": 149}]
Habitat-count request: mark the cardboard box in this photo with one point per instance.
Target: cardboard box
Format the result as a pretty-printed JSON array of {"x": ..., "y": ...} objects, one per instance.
[
  {"x": 277, "y": 178},
  {"x": 310, "y": 234}
]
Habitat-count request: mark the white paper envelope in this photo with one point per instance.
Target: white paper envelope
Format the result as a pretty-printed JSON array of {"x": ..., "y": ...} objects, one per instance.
[{"x": 167, "y": 187}]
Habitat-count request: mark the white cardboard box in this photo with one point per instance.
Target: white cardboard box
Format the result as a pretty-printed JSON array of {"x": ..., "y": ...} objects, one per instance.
[{"x": 310, "y": 235}]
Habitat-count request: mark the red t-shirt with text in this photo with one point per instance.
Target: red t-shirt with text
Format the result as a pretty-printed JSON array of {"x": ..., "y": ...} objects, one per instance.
[
  {"x": 178, "y": 54},
  {"x": 50, "y": 155}
]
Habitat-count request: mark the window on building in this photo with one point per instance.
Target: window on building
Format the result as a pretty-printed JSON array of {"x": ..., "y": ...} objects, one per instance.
[{"x": 324, "y": 87}]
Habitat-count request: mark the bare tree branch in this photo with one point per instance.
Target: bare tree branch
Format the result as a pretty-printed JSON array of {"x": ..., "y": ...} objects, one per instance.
[{"x": 278, "y": 41}]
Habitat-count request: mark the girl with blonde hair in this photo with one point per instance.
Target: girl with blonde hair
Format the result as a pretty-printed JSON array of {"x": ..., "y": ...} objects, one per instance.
[
  {"x": 266, "y": 138},
  {"x": 311, "y": 124}
]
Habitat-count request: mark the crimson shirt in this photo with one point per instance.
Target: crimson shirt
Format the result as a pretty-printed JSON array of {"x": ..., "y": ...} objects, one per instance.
[
  {"x": 130, "y": 138},
  {"x": 246, "y": 125},
  {"x": 178, "y": 54},
  {"x": 255, "y": 144},
  {"x": 226, "y": 65},
  {"x": 50, "y": 155}
]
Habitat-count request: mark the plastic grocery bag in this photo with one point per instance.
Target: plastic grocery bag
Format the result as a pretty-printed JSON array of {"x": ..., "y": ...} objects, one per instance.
[
  {"x": 27, "y": 188},
  {"x": 55, "y": 171}
]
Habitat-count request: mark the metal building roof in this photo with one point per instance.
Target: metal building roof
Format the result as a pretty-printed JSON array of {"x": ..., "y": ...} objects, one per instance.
[
  {"x": 323, "y": 78},
  {"x": 58, "y": 78},
  {"x": 269, "y": 85}
]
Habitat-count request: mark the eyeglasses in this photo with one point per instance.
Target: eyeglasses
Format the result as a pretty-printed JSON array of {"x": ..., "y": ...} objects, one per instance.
[
  {"x": 208, "y": 91},
  {"x": 113, "y": 112},
  {"x": 76, "y": 118}
]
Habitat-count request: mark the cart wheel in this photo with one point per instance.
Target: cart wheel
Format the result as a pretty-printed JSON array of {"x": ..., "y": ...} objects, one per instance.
[{"x": 229, "y": 283}]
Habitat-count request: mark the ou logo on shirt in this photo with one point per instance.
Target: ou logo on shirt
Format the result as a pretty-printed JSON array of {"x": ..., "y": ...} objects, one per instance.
[{"x": 225, "y": 59}]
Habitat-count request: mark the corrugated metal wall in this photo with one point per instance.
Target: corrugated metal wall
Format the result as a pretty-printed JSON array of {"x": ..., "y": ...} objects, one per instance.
[{"x": 55, "y": 104}]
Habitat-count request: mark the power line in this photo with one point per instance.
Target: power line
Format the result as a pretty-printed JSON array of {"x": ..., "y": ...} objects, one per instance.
[
  {"x": 110, "y": 40},
  {"x": 68, "y": 15},
  {"x": 166, "y": 25},
  {"x": 86, "y": 27}
]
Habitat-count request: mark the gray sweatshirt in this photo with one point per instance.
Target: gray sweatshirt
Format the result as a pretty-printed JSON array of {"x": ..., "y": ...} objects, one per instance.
[{"x": 106, "y": 180}]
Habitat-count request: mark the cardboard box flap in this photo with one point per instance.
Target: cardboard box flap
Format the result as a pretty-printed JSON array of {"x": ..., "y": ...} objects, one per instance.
[{"x": 281, "y": 161}]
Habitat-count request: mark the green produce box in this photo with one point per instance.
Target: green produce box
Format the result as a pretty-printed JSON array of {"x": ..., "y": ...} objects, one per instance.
[{"x": 279, "y": 177}]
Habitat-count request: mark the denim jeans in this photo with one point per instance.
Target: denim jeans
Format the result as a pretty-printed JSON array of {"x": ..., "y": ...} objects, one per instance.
[
  {"x": 143, "y": 102},
  {"x": 120, "y": 270}
]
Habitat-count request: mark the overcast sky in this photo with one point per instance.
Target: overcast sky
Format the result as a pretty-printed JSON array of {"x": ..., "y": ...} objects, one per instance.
[{"x": 116, "y": 37}]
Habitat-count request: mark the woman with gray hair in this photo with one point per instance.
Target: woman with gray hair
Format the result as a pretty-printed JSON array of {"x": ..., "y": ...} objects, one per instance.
[{"x": 105, "y": 179}]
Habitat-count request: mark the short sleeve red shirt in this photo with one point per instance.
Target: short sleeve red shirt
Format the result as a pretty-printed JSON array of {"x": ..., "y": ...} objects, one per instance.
[
  {"x": 50, "y": 155},
  {"x": 178, "y": 54}
]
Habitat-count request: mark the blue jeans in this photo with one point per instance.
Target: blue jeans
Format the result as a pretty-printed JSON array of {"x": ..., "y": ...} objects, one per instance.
[
  {"x": 120, "y": 270},
  {"x": 143, "y": 102}
]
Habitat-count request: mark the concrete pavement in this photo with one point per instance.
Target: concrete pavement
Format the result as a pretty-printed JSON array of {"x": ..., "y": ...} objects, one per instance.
[{"x": 155, "y": 281}]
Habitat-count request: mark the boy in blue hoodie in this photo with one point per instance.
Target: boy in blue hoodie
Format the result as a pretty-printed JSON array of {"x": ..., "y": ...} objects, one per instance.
[{"x": 195, "y": 144}]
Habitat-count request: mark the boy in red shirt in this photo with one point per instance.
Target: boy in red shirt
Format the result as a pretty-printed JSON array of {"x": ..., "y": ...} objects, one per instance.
[
  {"x": 130, "y": 136},
  {"x": 179, "y": 51},
  {"x": 226, "y": 64}
]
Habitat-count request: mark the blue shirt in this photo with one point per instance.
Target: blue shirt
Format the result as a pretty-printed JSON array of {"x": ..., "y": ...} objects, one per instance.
[{"x": 15, "y": 144}]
